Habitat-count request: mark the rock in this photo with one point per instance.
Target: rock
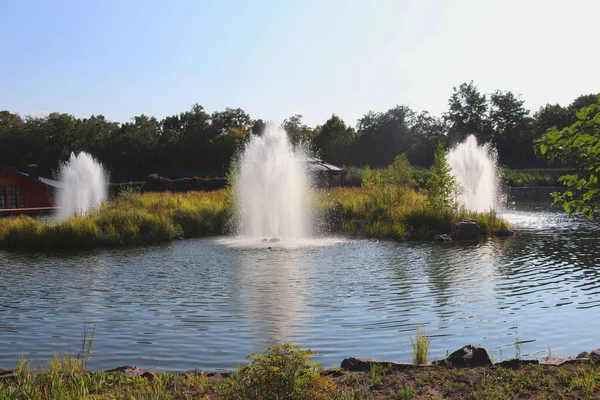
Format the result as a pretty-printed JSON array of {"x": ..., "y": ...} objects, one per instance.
[
  {"x": 150, "y": 373},
  {"x": 468, "y": 356},
  {"x": 442, "y": 238},
  {"x": 583, "y": 354},
  {"x": 363, "y": 364},
  {"x": 595, "y": 356},
  {"x": 6, "y": 373},
  {"x": 128, "y": 370},
  {"x": 515, "y": 363},
  {"x": 556, "y": 361},
  {"x": 467, "y": 229},
  {"x": 504, "y": 232}
]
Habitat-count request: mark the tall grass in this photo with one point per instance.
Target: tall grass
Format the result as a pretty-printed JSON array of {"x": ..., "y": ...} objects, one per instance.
[
  {"x": 420, "y": 347},
  {"x": 380, "y": 211},
  {"x": 388, "y": 211},
  {"x": 133, "y": 218}
]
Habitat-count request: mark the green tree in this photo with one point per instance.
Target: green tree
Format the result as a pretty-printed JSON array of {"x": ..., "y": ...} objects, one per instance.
[
  {"x": 383, "y": 136},
  {"x": 298, "y": 132},
  {"x": 579, "y": 145},
  {"x": 467, "y": 114},
  {"x": 441, "y": 184},
  {"x": 400, "y": 172},
  {"x": 426, "y": 132},
  {"x": 335, "y": 140},
  {"x": 511, "y": 128}
]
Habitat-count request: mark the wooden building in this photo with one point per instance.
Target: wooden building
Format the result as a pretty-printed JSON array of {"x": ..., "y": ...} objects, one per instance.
[
  {"x": 326, "y": 174},
  {"x": 25, "y": 193}
]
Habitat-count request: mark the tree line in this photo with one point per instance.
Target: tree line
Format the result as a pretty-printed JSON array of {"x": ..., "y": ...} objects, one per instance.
[{"x": 198, "y": 140}]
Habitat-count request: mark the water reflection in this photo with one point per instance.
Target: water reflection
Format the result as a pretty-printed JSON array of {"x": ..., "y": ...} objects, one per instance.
[{"x": 273, "y": 287}]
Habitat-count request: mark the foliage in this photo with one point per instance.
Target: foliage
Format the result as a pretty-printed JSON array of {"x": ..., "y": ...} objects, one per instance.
[
  {"x": 195, "y": 140},
  {"x": 420, "y": 347},
  {"x": 533, "y": 177},
  {"x": 579, "y": 145},
  {"x": 400, "y": 172},
  {"x": 441, "y": 184},
  {"x": 467, "y": 113},
  {"x": 282, "y": 372},
  {"x": 371, "y": 178}
]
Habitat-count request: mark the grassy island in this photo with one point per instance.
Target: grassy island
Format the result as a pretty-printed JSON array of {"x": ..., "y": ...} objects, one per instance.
[{"x": 383, "y": 211}]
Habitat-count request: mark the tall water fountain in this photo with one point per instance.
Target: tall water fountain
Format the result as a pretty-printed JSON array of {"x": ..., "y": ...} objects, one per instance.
[
  {"x": 83, "y": 186},
  {"x": 476, "y": 171},
  {"x": 272, "y": 189}
]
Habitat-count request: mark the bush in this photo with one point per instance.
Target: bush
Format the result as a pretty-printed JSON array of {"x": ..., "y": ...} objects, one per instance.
[{"x": 281, "y": 372}]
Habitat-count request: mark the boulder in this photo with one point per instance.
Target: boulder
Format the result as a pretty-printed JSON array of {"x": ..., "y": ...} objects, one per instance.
[
  {"x": 363, "y": 364},
  {"x": 467, "y": 229},
  {"x": 128, "y": 370},
  {"x": 557, "y": 361},
  {"x": 468, "y": 356},
  {"x": 595, "y": 356},
  {"x": 504, "y": 232},
  {"x": 583, "y": 354}
]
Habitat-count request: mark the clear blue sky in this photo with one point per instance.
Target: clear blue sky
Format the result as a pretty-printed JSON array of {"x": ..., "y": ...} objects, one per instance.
[{"x": 279, "y": 58}]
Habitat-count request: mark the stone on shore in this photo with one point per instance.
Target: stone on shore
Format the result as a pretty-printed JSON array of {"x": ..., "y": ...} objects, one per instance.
[
  {"x": 467, "y": 229},
  {"x": 467, "y": 356}
]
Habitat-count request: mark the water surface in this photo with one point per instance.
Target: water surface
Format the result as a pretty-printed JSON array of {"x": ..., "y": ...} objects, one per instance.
[{"x": 208, "y": 303}]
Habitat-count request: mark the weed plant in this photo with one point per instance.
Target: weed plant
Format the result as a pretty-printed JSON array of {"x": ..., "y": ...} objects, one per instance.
[{"x": 420, "y": 346}]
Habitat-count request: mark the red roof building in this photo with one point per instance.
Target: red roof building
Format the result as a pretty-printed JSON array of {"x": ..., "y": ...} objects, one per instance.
[{"x": 22, "y": 193}]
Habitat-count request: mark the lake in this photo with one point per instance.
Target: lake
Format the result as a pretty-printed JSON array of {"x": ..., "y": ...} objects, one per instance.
[{"x": 208, "y": 303}]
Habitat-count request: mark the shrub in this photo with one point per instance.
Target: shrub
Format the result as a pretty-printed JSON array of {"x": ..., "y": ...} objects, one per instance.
[{"x": 282, "y": 372}]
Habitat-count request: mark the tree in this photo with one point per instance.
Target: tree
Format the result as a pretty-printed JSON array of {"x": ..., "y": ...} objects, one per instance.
[
  {"x": 335, "y": 140},
  {"x": 384, "y": 135},
  {"x": 550, "y": 115},
  {"x": 298, "y": 132},
  {"x": 511, "y": 128},
  {"x": 441, "y": 184},
  {"x": 426, "y": 132},
  {"x": 400, "y": 172},
  {"x": 579, "y": 145},
  {"x": 467, "y": 114}
]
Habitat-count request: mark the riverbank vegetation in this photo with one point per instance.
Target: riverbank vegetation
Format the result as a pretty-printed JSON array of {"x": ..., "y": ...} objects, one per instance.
[
  {"x": 378, "y": 211},
  {"x": 287, "y": 372}
]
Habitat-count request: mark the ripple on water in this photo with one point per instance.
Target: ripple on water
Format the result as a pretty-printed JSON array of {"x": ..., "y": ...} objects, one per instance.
[{"x": 209, "y": 303}]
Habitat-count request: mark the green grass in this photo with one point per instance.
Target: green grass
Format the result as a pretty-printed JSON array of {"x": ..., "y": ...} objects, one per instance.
[
  {"x": 381, "y": 211},
  {"x": 287, "y": 372},
  {"x": 387, "y": 211},
  {"x": 533, "y": 177}
]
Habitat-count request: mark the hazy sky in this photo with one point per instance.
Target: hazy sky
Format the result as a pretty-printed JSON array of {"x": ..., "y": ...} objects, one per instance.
[{"x": 279, "y": 58}]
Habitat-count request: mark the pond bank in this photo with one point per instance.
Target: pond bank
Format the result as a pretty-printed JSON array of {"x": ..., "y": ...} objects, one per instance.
[{"x": 286, "y": 372}]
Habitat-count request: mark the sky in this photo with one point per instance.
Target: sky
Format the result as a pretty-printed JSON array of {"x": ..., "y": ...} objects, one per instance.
[{"x": 275, "y": 59}]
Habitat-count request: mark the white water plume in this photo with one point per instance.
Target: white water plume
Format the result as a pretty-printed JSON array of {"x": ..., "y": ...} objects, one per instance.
[
  {"x": 272, "y": 189},
  {"x": 475, "y": 169},
  {"x": 83, "y": 186}
]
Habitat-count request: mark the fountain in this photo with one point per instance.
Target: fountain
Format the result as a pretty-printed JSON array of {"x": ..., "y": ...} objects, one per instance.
[
  {"x": 82, "y": 188},
  {"x": 475, "y": 169},
  {"x": 272, "y": 189}
]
